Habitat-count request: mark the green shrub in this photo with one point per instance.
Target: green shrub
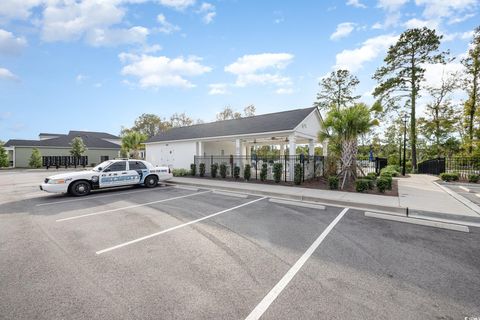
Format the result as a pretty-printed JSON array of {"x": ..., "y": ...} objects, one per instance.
[
  {"x": 391, "y": 170},
  {"x": 277, "y": 172},
  {"x": 193, "y": 169},
  {"x": 361, "y": 185},
  {"x": 247, "y": 172},
  {"x": 372, "y": 175},
  {"x": 263, "y": 172},
  {"x": 213, "y": 170},
  {"x": 223, "y": 170},
  {"x": 390, "y": 182},
  {"x": 201, "y": 167},
  {"x": 449, "y": 176},
  {"x": 473, "y": 178},
  {"x": 298, "y": 174},
  {"x": 35, "y": 159},
  {"x": 333, "y": 182},
  {"x": 383, "y": 184},
  {"x": 236, "y": 172},
  {"x": 180, "y": 172},
  {"x": 386, "y": 174}
]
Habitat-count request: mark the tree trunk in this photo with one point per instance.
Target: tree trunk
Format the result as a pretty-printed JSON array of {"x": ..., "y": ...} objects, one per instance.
[{"x": 349, "y": 150}]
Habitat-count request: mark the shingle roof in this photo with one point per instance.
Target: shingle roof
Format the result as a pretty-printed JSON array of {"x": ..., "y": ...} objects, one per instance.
[
  {"x": 101, "y": 135},
  {"x": 91, "y": 140},
  {"x": 271, "y": 122}
]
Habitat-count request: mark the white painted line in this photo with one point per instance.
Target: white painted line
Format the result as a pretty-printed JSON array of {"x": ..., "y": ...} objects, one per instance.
[
  {"x": 464, "y": 188},
  {"x": 298, "y": 203},
  {"x": 421, "y": 222},
  {"x": 176, "y": 227},
  {"x": 185, "y": 188},
  {"x": 477, "y": 194},
  {"x": 93, "y": 197},
  {"x": 231, "y": 194},
  {"x": 460, "y": 198},
  {"x": 275, "y": 292},
  {"x": 130, "y": 207}
]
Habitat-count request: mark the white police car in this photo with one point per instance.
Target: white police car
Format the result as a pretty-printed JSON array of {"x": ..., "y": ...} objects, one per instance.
[{"x": 111, "y": 173}]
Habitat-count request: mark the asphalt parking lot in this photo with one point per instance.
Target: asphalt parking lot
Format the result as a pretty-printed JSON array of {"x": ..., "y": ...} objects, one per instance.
[
  {"x": 467, "y": 190},
  {"x": 172, "y": 253}
]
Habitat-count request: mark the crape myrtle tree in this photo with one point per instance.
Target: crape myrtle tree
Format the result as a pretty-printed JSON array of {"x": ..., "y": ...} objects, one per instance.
[
  {"x": 346, "y": 125},
  {"x": 472, "y": 85},
  {"x": 400, "y": 78}
]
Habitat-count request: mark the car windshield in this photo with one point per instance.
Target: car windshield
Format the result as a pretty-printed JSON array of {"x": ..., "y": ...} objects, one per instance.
[{"x": 102, "y": 166}]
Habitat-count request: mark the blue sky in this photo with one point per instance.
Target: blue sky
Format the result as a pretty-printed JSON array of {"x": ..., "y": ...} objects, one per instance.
[{"x": 98, "y": 64}]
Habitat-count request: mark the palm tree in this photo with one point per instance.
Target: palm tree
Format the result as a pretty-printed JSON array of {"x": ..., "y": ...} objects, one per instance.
[
  {"x": 132, "y": 142},
  {"x": 344, "y": 126}
]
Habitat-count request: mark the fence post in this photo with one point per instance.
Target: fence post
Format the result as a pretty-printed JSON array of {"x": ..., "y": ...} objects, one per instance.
[{"x": 285, "y": 168}]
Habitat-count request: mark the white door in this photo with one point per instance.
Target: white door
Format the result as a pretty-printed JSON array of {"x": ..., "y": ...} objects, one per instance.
[{"x": 114, "y": 175}]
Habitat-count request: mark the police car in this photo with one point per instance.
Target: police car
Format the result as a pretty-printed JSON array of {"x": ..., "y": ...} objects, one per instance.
[{"x": 111, "y": 173}]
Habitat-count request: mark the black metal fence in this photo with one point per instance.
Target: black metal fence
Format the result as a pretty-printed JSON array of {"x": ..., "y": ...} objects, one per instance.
[
  {"x": 312, "y": 166},
  {"x": 64, "y": 161},
  {"x": 464, "y": 166}
]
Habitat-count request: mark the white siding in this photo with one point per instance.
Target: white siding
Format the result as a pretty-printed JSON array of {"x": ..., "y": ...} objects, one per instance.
[
  {"x": 174, "y": 155},
  {"x": 310, "y": 126},
  {"x": 215, "y": 148}
]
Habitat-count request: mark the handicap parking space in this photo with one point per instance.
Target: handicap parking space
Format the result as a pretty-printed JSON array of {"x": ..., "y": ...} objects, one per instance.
[{"x": 196, "y": 254}]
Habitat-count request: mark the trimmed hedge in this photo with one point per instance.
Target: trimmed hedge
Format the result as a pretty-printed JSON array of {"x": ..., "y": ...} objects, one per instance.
[
  {"x": 333, "y": 182},
  {"x": 298, "y": 174},
  {"x": 193, "y": 169},
  {"x": 201, "y": 168},
  {"x": 236, "y": 172},
  {"x": 473, "y": 178},
  {"x": 180, "y": 172},
  {"x": 213, "y": 170},
  {"x": 361, "y": 185},
  {"x": 449, "y": 176},
  {"x": 383, "y": 184},
  {"x": 223, "y": 171},
  {"x": 247, "y": 172},
  {"x": 263, "y": 172},
  {"x": 277, "y": 172}
]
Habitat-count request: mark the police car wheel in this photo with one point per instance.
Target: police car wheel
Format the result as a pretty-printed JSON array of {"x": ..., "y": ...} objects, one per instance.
[
  {"x": 151, "y": 181},
  {"x": 80, "y": 188}
]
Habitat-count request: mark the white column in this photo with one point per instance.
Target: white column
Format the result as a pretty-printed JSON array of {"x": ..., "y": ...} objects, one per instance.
[
  {"x": 199, "y": 147},
  {"x": 238, "y": 153},
  {"x": 311, "y": 147},
  {"x": 325, "y": 147},
  {"x": 292, "y": 152}
]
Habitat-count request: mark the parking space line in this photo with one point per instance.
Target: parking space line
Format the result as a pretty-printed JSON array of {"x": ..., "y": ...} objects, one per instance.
[
  {"x": 95, "y": 197},
  {"x": 176, "y": 227},
  {"x": 464, "y": 188},
  {"x": 275, "y": 292},
  {"x": 304, "y": 204},
  {"x": 130, "y": 207}
]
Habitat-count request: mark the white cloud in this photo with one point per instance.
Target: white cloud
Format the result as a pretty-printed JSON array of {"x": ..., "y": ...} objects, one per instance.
[
  {"x": 112, "y": 37},
  {"x": 151, "y": 49},
  {"x": 80, "y": 78},
  {"x": 433, "y": 72},
  {"x": 161, "y": 71},
  {"x": 165, "y": 26},
  {"x": 461, "y": 18},
  {"x": 391, "y": 5},
  {"x": 208, "y": 11},
  {"x": 9, "y": 44},
  {"x": 261, "y": 69},
  {"x": 18, "y": 9},
  {"x": 343, "y": 30},
  {"x": 218, "y": 88},
  {"x": 7, "y": 75},
  {"x": 177, "y": 4},
  {"x": 445, "y": 8},
  {"x": 355, "y": 3},
  {"x": 354, "y": 59},
  {"x": 458, "y": 35},
  {"x": 419, "y": 23},
  {"x": 392, "y": 13},
  {"x": 284, "y": 91}
]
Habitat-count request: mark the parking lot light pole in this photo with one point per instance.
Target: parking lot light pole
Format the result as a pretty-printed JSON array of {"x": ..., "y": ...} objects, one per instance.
[{"x": 405, "y": 116}]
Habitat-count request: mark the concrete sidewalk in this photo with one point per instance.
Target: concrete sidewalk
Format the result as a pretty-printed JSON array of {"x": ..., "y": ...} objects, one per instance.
[{"x": 417, "y": 193}]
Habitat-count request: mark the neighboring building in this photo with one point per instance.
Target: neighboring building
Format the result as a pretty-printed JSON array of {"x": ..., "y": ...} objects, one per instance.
[
  {"x": 178, "y": 146},
  {"x": 101, "y": 146}
]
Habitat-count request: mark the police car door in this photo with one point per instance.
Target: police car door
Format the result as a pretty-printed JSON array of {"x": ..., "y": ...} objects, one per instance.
[
  {"x": 114, "y": 175},
  {"x": 137, "y": 170}
]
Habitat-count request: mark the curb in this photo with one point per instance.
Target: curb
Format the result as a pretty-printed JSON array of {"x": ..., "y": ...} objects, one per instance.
[
  {"x": 418, "y": 221},
  {"x": 472, "y": 206},
  {"x": 336, "y": 203}
]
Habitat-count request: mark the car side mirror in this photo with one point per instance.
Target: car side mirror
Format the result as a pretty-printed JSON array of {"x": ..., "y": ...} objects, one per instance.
[{"x": 100, "y": 169}]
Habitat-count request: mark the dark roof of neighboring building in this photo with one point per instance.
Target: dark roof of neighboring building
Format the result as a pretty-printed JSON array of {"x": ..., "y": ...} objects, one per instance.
[
  {"x": 91, "y": 140},
  {"x": 271, "y": 122}
]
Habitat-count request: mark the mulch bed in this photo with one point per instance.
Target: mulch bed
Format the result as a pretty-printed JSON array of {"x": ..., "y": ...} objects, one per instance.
[{"x": 317, "y": 183}]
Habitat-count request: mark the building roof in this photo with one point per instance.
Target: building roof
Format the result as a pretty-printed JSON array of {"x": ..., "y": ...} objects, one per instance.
[
  {"x": 91, "y": 140},
  {"x": 270, "y": 122}
]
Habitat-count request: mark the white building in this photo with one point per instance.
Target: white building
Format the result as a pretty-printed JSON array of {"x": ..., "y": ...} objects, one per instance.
[{"x": 178, "y": 146}]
